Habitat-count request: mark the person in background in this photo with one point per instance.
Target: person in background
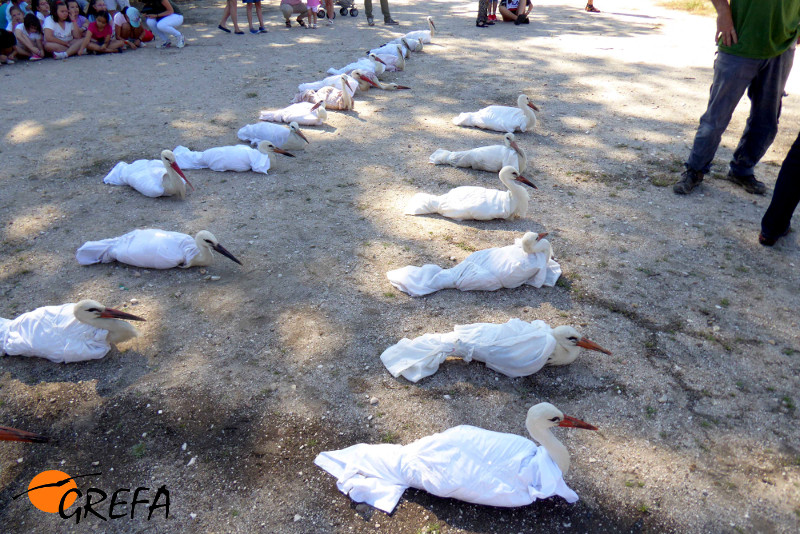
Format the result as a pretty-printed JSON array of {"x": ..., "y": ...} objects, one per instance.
[
  {"x": 590, "y": 7},
  {"x": 515, "y": 11},
  {"x": 230, "y": 11},
  {"x": 76, "y": 16},
  {"x": 313, "y": 7},
  {"x": 128, "y": 27},
  {"x": 492, "y": 8},
  {"x": 483, "y": 15},
  {"x": 777, "y": 220},
  {"x": 113, "y": 6},
  {"x": 387, "y": 18},
  {"x": 7, "y": 47},
  {"x": 329, "y": 14},
  {"x": 100, "y": 38},
  {"x": 289, "y": 7},
  {"x": 14, "y": 18},
  {"x": 62, "y": 38},
  {"x": 250, "y": 3},
  {"x": 30, "y": 40},
  {"x": 163, "y": 18},
  {"x": 756, "y": 42},
  {"x": 41, "y": 8}
]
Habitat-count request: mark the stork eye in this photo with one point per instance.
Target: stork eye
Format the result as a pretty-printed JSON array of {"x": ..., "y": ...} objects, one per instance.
[
  {"x": 555, "y": 420},
  {"x": 93, "y": 310},
  {"x": 209, "y": 241},
  {"x": 573, "y": 339}
]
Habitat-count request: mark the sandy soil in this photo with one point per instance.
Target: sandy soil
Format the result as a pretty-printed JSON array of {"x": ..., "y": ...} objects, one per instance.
[{"x": 259, "y": 371}]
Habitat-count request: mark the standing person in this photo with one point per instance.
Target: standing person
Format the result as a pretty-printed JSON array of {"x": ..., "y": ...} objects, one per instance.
[
  {"x": 492, "y": 8},
  {"x": 387, "y": 18},
  {"x": 163, "y": 18},
  {"x": 591, "y": 9},
  {"x": 230, "y": 11},
  {"x": 289, "y": 7},
  {"x": 329, "y": 14},
  {"x": 261, "y": 28},
  {"x": 778, "y": 217},
  {"x": 756, "y": 41},
  {"x": 61, "y": 37},
  {"x": 483, "y": 15},
  {"x": 313, "y": 7}
]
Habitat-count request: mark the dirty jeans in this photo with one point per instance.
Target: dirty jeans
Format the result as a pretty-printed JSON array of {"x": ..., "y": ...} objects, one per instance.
[
  {"x": 384, "y": 9},
  {"x": 785, "y": 197},
  {"x": 764, "y": 80}
]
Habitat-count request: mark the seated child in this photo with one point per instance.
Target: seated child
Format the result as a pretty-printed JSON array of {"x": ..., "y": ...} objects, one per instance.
[
  {"x": 29, "y": 36},
  {"x": 99, "y": 37}
]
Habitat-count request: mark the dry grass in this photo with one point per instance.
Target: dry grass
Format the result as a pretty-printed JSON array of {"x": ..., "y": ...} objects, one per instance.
[{"x": 696, "y": 7}]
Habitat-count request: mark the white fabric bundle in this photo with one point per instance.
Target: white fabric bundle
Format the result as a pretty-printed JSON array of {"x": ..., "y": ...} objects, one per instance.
[
  {"x": 265, "y": 131},
  {"x": 390, "y": 48},
  {"x": 465, "y": 202},
  {"x": 497, "y": 118},
  {"x": 300, "y": 113},
  {"x": 487, "y": 270},
  {"x": 465, "y": 463},
  {"x": 516, "y": 348},
  {"x": 149, "y": 248},
  {"x": 146, "y": 176},
  {"x": 486, "y": 158},
  {"x": 237, "y": 158},
  {"x": 54, "y": 333},
  {"x": 334, "y": 81},
  {"x": 362, "y": 63},
  {"x": 331, "y": 96}
]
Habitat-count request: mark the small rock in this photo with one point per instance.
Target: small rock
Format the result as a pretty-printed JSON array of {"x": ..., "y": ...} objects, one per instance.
[
  {"x": 447, "y": 397},
  {"x": 193, "y": 515},
  {"x": 452, "y": 258},
  {"x": 136, "y": 274},
  {"x": 95, "y": 464},
  {"x": 771, "y": 341},
  {"x": 215, "y": 278},
  {"x": 134, "y": 302},
  {"x": 177, "y": 294},
  {"x": 592, "y": 460},
  {"x": 183, "y": 447},
  {"x": 373, "y": 401},
  {"x": 20, "y": 460},
  {"x": 663, "y": 398},
  {"x": 192, "y": 461},
  {"x": 297, "y": 518},
  {"x": 203, "y": 271}
]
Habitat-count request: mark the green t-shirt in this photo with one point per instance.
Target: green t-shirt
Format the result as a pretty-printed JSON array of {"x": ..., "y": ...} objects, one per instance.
[{"x": 766, "y": 28}]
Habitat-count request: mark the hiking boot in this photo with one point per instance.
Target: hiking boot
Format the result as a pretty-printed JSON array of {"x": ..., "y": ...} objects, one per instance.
[
  {"x": 690, "y": 179},
  {"x": 748, "y": 183}
]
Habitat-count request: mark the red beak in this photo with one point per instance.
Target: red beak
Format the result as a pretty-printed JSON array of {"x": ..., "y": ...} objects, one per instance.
[
  {"x": 111, "y": 313},
  {"x": 525, "y": 181},
  {"x": 542, "y": 236},
  {"x": 303, "y": 137},
  {"x": 591, "y": 345},
  {"x": 379, "y": 60},
  {"x": 373, "y": 84},
  {"x": 571, "y": 422},
  {"x": 315, "y": 106},
  {"x": 515, "y": 146},
  {"x": 177, "y": 169},
  {"x": 13, "y": 434},
  {"x": 403, "y": 87},
  {"x": 532, "y": 105}
]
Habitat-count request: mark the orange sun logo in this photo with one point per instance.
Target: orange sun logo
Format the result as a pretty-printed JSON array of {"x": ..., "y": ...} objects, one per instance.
[{"x": 48, "y": 488}]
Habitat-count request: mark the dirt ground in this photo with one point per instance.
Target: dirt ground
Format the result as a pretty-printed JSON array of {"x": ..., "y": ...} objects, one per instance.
[{"x": 259, "y": 371}]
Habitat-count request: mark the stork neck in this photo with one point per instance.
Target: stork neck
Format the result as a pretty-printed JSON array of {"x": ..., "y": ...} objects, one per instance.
[
  {"x": 118, "y": 330},
  {"x": 347, "y": 100},
  {"x": 519, "y": 197},
  {"x": 204, "y": 256},
  {"x": 563, "y": 355},
  {"x": 522, "y": 159},
  {"x": 172, "y": 183},
  {"x": 555, "y": 449},
  {"x": 529, "y": 115}
]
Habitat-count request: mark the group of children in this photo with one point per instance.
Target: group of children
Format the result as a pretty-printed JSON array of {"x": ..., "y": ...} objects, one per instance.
[{"x": 61, "y": 28}]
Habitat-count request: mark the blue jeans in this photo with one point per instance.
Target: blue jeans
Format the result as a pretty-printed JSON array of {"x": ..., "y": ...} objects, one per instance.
[
  {"x": 764, "y": 80},
  {"x": 785, "y": 197}
]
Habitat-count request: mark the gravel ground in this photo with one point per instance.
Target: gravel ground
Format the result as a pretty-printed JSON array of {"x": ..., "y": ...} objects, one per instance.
[{"x": 259, "y": 371}]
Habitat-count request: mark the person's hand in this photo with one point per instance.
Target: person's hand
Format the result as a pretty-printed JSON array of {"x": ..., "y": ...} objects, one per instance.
[{"x": 725, "y": 28}]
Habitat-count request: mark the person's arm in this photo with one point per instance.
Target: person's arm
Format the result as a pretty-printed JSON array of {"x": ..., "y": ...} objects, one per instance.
[
  {"x": 85, "y": 42},
  {"x": 169, "y": 11},
  {"x": 76, "y": 31},
  {"x": 725, "y": 28},
  {"x": 50, "y": 37}
]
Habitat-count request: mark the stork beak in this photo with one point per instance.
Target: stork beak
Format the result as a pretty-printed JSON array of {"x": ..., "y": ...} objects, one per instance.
[
  {"x": 111, "y": 313},
  {"x": 525, "y": 181},
  {"x": 177, "y": 169},
  {"x": 403, "y": 87},
  {"x": 433, "y": 25},
  {"x": 13, "y": 434},
  {"x": 532, "y": 105},
  {"x": 282, "y": 151},
  {"x": 542, "y": 236},
  {"x": 515, "y": 146},
  {"x": 591, "y": 345},
  {"x": 379, "y": 60},
  {"x": 222, "y": 250},
  {"x": 303, "y": 137},
  {"x": 373, "y": 84},
  {"x": 315, "y": 106},
  {"x": 571, "y": 422}
]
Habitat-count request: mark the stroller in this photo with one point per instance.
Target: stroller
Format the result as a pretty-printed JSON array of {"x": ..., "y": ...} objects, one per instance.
[{"x": 347, "y": 5}]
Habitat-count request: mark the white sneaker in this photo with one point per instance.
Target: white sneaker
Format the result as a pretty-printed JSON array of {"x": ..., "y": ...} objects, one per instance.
[
  {"x": 330, "y": 22},
  {"x": 60, "y": 55},
  {"x": 181, "y": 41},
  {"x": 165, "y": 44}
]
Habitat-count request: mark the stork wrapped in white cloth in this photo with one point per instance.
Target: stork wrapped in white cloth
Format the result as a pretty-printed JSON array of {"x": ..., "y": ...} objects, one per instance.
[
  {"x": 290, "y": 138},
  {"x": 465, "y": 462},
  {"x": 150, "y": 248},
  {"x": 304, "y": 113},
  {"x": 334, "y": 81},
  {"x": 239, "y": 158},
  {"x": 516, "y": 348},
  {"x": 502, "y": 118},
  {"x": 486, "y": 158},
  {"x": 528, "y": 261},
  {"x": 54, "y": 333}
]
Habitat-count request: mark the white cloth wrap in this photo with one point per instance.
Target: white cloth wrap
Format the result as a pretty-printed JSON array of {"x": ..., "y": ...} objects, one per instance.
[
  {"x": 146, "y": 176},
  {"x": 486, "y": 158},
  {"x": 391, "y": 48},
  {"x": 485, "y": 270},
  {"x": 148, "y": 248},
  {"x": 465, "y": 202},
  {"x": 54, "y": 333},
  {"x": 239, "y": 158},
  {"x": 363, "y": 63},
  {"x": 264, "y": 131},
  {"x": 516, "y": 348},
  {"x": 299, "y": 113},
  {"x": 328, "y": 94},
  {"x": 419, "y": 35},
  {"x": 498, "y": 118},
  {"x": 334, "y": 81},
  {"x": 465, "y": 463}
]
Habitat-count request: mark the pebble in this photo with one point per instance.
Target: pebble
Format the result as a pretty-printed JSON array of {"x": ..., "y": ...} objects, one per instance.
[
  {"x": 20, "y": 460},
  {"x": 373, "y": 401},
  {"x": 663, "y": 398},
  {"x": 447, "y": 397},
  {"x": 193, "y": 515},
  {"x": 183, "y": 447},
  {"x": 215, "y": 278},
  {"x": 134, "y": 302},
  {"x": 192, "y": 461},
  {"x": 203, "y": 271},
  {"x": 95, "y": 464},
  {"x": 452, "y": 258},
  {"x": 136, "y": 274},
  {"x": 297, "y": 518}
]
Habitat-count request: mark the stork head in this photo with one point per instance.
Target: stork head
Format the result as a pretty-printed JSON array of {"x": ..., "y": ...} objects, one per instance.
[
  {"x": 205, "y": 239},
  {"x": 88, "y": 310}
]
